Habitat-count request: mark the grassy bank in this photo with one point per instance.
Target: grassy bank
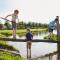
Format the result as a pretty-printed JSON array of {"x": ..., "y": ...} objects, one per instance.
[
  {"x": 21, "y": 32},
  {"x": 53, "y": 37},
  {"x": 6, "y": 55},
  {"x": 4, "y": 45},
  {"x": 9, "y": 56}
]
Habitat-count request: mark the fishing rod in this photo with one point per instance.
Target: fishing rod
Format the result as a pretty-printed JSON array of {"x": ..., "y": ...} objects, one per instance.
[
  {"x": 10, "y": 21},
  {"x": 7, "y": 19}
]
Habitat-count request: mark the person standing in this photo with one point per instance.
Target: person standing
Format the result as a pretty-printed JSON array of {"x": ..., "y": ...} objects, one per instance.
[
  {"x": 14, "y": 17},
  {"x": 29, "y": 38}
]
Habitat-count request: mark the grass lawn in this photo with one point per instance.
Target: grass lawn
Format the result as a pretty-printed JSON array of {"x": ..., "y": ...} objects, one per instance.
[{"x": 21, "y": 32}]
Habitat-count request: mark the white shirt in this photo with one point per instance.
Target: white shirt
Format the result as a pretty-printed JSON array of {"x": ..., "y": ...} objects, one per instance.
[{"x": 14, "y": 17}]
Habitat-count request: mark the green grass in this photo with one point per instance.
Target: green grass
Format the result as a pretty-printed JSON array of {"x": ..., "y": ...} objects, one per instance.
[
  {"x": 4, "y": 45},
  {"x": 9, "y": 56},
  {"x": 1, "y": 35},
  {"x": 53, "y": 37},
  {"x": 21, "y": 32}
]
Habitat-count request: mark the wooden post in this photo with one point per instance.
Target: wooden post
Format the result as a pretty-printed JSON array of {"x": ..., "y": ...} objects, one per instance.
[
  {"x": 28, "y": 52},
  {"x": 58, "y": 37},
  {"x": 50, "y": 57}
]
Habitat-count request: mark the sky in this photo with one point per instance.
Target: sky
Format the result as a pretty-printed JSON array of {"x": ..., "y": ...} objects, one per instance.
[{"x": 41, "y": 11}]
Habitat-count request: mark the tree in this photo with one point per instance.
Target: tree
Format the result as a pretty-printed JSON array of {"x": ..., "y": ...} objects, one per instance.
[
  {"x": 8, "y": 25},
  {"x": 1, "y": 25},
  {"x": 23, "y": 25}
]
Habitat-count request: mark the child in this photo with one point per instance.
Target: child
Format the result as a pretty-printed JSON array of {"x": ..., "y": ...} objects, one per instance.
[
  {"x": 29, "y": 37},
  {"x": 52, "y": 26},
  {"x": 14, "y": 17}
]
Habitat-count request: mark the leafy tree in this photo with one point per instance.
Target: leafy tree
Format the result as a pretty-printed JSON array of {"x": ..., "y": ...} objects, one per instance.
[
  {"x": 23, "y": 25},
  {"x": 8, "y": 25}
]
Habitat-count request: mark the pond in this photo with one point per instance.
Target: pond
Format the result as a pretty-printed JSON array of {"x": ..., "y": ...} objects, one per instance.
[{"x": 38, "y": 48}]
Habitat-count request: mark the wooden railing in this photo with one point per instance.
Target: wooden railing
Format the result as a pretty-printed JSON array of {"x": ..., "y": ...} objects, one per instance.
[
  {"x": 47, "y": 56},
  {"x": 24, "y": 40}
]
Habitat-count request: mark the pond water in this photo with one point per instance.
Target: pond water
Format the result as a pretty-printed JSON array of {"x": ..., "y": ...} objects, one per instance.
[{"x": 38, "y": 48}]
